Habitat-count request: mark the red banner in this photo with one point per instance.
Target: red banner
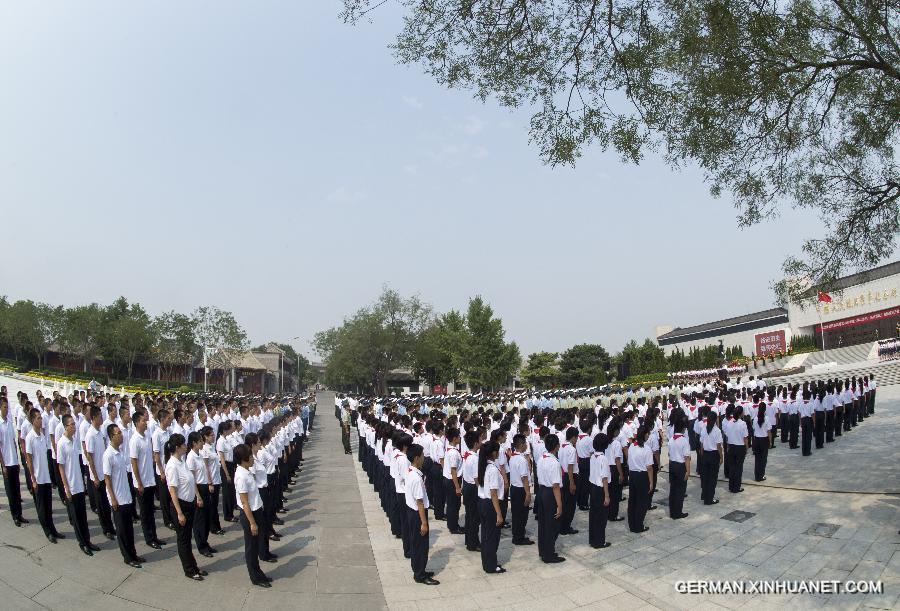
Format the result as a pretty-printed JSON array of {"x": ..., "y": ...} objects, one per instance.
[
  {"x": 859, "y": 320},
  {"x": 769, "y": 342}
]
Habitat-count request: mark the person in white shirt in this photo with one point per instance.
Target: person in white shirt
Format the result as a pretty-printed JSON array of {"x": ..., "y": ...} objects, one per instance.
[
  {"x": 452, "y": 474},
  {"x": 437, "y": 449},
  {"x": 640, "y": 484},
  {"x": 199, "y": 468},
  {"x": 36, "y": 448},
  {"x": 185, "y": 500},
  {"x": 568, "y": 462},
  {"x": 599, "y": 493},
  {"x": 250, "y": 505},
  {"x": 9, "y": 462},
  {"x": 212, "y": 460},
  {"x": 490, "y": 493},
  {"x": 73, "y": 485},
  {"x": 679, "y": 465},
  {"x": 140, "y": 454},
  {"x": 470, "y": 489},
  {"x": 735, "y": 429},
  {"x": 761, "y": 428},
  {"x": 417, "y": 516},
  {"x": 520, "y": 485},
  {"x": 710, "y": 458},
  {"x": 549, "y": 504},
  {"x": 119, "y": 494}
]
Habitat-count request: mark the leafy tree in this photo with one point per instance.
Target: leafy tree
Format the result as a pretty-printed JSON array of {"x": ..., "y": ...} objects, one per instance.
[
  {"x": 584, "y": 365},
  {"x": 81, "y": 333},
  {"x": 374, "y": 341},
  {"x": 215, "y": 328},
  {"x": 175, "y": 345},
  {"x": 440, "y": 351},
  {"x": 127, "y": 333},
  {"x": 487, "y": 359},
  {"x": 777, "y": 101},
  {"x": 541, "y": 369},
  {"x": 30, "y": 328}
]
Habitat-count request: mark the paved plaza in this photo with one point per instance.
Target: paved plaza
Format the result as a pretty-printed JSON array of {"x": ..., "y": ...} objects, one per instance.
[{"x": 802, "y": 523}]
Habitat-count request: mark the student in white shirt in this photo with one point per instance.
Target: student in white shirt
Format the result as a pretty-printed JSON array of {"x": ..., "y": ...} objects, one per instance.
[
  {"x": 599, "y": 493},
  {"x": 490, "y": 492},
  {"x": 199, "y": 468},
  {"x": 224, "y": 448},
  {"x": 568, "y": 462},
  {"x": 73, "y": 484},
  {"x": 185, "y": 500},
  {"x": 118, "y": 491},
  {"x": 519, "y": 489},
  {"x": 679, "y": 465},
  {"x": 640, "y": 484},
  {"x": 735, "y": 429},
  {"x": 417, "y": 516},
  {"x": 250, "y": 505},
  {"x": 452, "y": 473},
  {"x": 711, "y": 458},
  {"x": 761, "y": 427},
  {"x": 549, "y": 504},
  {"x": 140, "y": 454},
  {"x": 36, "y": 449},
  {"x": 470, "y": 489},
  {"x": 9, "y": 461}
]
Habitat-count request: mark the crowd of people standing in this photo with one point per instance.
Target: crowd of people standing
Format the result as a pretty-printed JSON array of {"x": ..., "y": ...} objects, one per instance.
[
  {"x": 199, "y": 461},
  {"x": 500, "y": 458}
]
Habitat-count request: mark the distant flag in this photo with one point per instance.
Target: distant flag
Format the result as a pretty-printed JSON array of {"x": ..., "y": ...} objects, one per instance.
[{"x": 824, "y": 297}]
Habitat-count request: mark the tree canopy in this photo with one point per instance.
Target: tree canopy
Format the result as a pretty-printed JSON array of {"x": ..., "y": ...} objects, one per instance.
[{"x": 777, "y": 101}]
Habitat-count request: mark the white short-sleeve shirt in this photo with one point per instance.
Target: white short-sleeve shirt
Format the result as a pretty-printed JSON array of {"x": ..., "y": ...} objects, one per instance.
[
  {"x": 181, "y": 478},
  {"x": 493, "y": 480},
  {"x": 114, "y": 466},
  {"x": 67, "y": 456},
  {"x": 415, "y": 489},
  {"x": 246, "y": 483}
]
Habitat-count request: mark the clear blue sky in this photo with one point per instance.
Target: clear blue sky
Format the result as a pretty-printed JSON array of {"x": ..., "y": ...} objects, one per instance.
[{"x": 265, "y": 158}]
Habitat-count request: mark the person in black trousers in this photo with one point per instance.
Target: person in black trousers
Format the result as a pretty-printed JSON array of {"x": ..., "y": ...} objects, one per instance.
[
  {"x": 417, "y": 516},
  {"x": 679, "y": 465},
  {"x": 490, "y": 493},
  {"x": 38, "y": 466},
  {"x": 141, "y": 455},
  {"x": 519, "y": 490},
  {"x": 452, "y": 476},
  {"x": 73, "y": 485},
  {"x": 760, "y": 435},
  {"x": 599, "y": 493},
  {"x": 807, "y": 422},
  {"x": 9, "y": 462},
  {"x": 250, "y": 505},
  {"x": 640, "y": 462},
  {"x": 185, "y": 501},
  {"x": 710, "y": 459},
  {"x": 736, "y": 442},
  {"x": 436, "y": 476},
  {"x": 614, "y": 457},
  {"x": 470, "y": 493},
  {"x": 115, "y": 476},
  {"x": 550, "y": 508}
]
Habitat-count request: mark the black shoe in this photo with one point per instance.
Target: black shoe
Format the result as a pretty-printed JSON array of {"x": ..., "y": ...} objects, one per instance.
[
  {"x": 219, "y": 532},
  {"x": 203, "y": 573},
  {"x": 51, "y": 538},
  {"x": 154, "y": 545},
  {"x": 141, "y": 559},
  {"x": 133, "y": 563},
  {"x": 206, "y": 552},
  {"x": 523, "y": 542},
  {"x": 277, "y": 521},
  {"x": 275, "y": 537},
  {"x": 212, "y": 550},
  {"x": 713, "y": 503},
  {"x": 195, "y": 577},
  {"x": 619, "y": 519},
  {"x": 59, "y": 535},
  {"x": 605, "y": 545},
  {"x": 571, "y": 531},
  {"x": 496, "y": 571},
  {"x": 93, "y": 547},
  {"x": 87, "y": 551},
  {"x": 269, "y": 559},
  {"x": 440, "y": 518},
  {"x": 474, "y": 549},
  {"x": 458, "y": 531},
  {"x": 110, "y": 536},
  {"x": 684, "y": 515},
  {"x": 644, "y": 529},
  {"x": 554, "y": 560},
  {"x": 262, "y": 584},
  {"x": 161, "y": 542},
  {"x": 429, "y": 573},
  {"x": 763, "y": 479},
  {"x": 652, "y": 507},
  {"x": 23, "y": 520},
  {"x": 428, "y": 581},
  {"x": 18, "y": 523}
]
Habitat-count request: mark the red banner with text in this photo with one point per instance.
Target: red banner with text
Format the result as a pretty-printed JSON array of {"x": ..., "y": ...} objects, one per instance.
[{"x": 769, "y": 342}]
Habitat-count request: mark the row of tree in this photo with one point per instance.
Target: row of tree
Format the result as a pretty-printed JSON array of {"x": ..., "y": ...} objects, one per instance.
[
  {"x": 121, "y": 334},
  {"x": 405, "y": 333},
  {"x": 590, "y": 364}
]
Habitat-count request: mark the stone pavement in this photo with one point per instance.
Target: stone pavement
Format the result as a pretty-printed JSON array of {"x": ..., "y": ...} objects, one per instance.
[
  {"x": 325, "y": 560},
  {"x": 788, "y": 533}
]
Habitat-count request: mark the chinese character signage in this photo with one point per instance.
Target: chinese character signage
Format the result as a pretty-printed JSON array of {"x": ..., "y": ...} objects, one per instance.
[
  {"x": 858, "y": 320},
  {"x": 769, "y": 342}
]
